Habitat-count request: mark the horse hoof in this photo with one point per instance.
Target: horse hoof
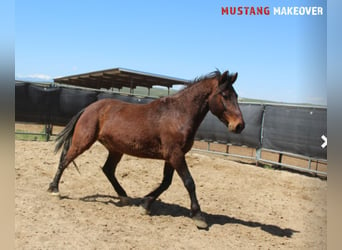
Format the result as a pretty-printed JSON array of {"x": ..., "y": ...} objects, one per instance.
[
  {"x": 143, "y": 210},
  {"x": 200, "y": 221},
  {"x": 125, "y": 201},
  {"x": 145, "y": 206},
  {"x": 53, "y": 191},
  {"x": 57, "y": 194}
]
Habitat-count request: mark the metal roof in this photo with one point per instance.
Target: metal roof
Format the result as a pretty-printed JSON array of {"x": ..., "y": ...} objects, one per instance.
[{"x": 118, "y": 78}]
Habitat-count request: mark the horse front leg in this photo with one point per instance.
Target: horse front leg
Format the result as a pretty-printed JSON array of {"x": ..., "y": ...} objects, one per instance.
[{"x": 195, "y": 211}]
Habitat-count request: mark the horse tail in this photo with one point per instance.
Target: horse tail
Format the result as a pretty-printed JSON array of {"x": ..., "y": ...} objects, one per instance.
[{"x": 65, "y": 136}]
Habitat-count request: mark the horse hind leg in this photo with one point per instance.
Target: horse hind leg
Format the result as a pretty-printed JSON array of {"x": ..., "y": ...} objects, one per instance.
[
  {"x": 109, "y": 171},
  {"x": 69, "y": 153},
  {"x": 65, "y": 159}
]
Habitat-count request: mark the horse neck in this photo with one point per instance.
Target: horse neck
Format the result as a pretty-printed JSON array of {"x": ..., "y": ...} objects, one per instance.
[{"x": 194, "y": 100}]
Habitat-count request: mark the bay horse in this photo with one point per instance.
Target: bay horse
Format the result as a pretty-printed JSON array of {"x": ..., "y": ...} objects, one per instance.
[{"x": 162, "y": 129}]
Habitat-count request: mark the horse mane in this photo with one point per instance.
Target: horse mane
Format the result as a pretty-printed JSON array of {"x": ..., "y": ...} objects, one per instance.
[
  {"x": 215, "y": 74},
  {"x": 211, "y": 75}
]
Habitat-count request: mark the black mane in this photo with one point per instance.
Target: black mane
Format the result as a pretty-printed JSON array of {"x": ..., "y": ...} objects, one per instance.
[
  {"x": 211, "y": 75},
  {"x": 215, "y": 74}
]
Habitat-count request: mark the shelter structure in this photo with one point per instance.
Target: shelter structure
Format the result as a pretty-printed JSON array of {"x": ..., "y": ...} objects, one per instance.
[{"x": 119, "y": 78}]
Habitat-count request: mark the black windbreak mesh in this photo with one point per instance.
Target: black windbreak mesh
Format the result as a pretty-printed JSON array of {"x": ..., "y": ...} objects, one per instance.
[
  {"x": 36, "y": 104},
  {"x": 295, "y": 129},
  {"x": 213, "y": 129},
  {"x": 73, "y": 100}
]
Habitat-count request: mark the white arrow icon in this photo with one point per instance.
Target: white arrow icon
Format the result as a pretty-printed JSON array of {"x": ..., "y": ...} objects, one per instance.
[{"x": 325, "y": 139}]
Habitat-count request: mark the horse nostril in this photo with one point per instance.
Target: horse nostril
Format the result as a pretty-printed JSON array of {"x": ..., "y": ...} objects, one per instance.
[{"x": 239, "y": 128}]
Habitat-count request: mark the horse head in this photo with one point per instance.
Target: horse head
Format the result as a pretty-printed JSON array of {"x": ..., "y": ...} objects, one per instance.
[{"x": 223, "y": 103}]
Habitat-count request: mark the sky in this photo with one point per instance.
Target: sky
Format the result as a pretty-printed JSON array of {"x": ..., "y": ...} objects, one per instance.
[{"x": 278, "y": 58}]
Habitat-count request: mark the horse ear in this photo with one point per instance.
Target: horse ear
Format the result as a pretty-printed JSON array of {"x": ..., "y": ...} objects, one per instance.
[
  {"x": 224, "y": 77},
  {"x": 233, "y": 77}
]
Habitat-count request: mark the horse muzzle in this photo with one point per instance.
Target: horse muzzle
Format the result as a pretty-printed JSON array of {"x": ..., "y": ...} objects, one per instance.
[{"x": 236, "y": 127}]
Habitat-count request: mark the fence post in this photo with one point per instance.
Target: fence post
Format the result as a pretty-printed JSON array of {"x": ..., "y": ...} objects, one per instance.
[
  {"x": 48, "y": 131},
  {"x": 280, "y": 159},
  {"x": 257, "y": 156}
]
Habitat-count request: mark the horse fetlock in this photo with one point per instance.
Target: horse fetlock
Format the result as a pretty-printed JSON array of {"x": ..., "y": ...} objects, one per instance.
[{"x": 125, "y": 201}]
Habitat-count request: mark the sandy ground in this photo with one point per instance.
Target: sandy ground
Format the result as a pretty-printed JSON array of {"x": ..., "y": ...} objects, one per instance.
[{"x": 246, "y": 207}]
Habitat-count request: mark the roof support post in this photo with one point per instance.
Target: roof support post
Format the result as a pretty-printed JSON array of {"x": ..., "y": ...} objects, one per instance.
[{"x": 131, "y": 91}]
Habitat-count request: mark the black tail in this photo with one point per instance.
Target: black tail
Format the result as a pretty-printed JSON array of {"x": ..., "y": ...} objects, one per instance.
[{"x": 65, "y": 137}]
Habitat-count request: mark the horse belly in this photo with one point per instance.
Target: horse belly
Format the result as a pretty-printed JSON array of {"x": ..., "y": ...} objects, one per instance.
[
  {"x": 131, "y": 142},
  {"x": 149, "y": 148}
]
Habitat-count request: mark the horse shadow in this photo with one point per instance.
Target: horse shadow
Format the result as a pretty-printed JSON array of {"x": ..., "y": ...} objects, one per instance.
[{"x": 160, "y": 208}]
